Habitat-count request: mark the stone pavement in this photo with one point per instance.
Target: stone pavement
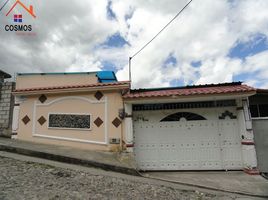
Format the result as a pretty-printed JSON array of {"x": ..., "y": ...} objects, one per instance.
[
  {"x": 232, "y": 181},
  {"x": 105, "y": 160},
  {"x": 22, "y": 178}
]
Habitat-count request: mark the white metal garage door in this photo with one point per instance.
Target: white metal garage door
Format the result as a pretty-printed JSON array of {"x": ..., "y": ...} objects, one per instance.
[{"x": 210, "y": 144}]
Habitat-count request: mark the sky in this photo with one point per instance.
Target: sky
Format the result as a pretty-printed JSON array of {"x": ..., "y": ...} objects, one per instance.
[{"x": 212, "y": 41}]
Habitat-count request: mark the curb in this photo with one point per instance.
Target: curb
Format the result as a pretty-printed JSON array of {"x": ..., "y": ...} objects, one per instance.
[
  {"x": 69, "y": 160},
  {"x": 207, "y": 187}
]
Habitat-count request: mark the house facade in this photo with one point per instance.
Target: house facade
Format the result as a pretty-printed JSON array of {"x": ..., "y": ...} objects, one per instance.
[
  {"x": 72, "y": 109},
  {"x": 205, "y": 127}
]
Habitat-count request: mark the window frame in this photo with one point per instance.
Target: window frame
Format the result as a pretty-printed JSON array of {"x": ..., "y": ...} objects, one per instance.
[{"x": 258, "y": 111}]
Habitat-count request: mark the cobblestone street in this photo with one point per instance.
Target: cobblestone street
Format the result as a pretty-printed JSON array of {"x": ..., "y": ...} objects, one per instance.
[{"x": 29, "y": 180}]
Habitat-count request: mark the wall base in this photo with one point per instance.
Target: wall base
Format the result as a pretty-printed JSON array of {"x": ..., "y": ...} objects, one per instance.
[{"x": 254, "y": 171}]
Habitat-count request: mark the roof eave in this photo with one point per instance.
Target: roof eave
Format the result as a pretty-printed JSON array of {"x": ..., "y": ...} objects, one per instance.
[
  {"x": 72, "y": 90},
  {"x": 186, "y": 97},
  {"x": 4, "y": 74}
]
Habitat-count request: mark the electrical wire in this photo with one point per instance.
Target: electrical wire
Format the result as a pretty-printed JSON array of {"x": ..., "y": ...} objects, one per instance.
[
  {"x": 161, "y": 30},
  {"x": 4, "y": 5}
]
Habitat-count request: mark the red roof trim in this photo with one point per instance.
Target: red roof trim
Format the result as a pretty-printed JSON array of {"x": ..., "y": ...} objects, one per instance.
[
  {"x": 119, "y": 83},
  {"x": 247, "y": 143},
  {"x": 231, "y": 89}
]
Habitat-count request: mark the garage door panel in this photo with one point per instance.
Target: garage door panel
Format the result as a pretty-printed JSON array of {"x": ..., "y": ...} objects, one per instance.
[
  {"x": 187, "y": 145},
  {"x": 230, "y": 144}
]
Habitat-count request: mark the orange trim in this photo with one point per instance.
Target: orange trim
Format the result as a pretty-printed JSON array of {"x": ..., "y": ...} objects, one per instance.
[{"x": 30, "y": 11}]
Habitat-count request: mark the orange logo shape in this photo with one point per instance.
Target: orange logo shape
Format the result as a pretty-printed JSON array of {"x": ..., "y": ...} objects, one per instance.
[{"x": 30, "y": 10}]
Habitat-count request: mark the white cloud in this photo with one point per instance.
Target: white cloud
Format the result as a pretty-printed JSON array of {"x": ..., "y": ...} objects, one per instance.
[
  {"x": 69, "y": 37},
  {"x": 205, "y": 32}
]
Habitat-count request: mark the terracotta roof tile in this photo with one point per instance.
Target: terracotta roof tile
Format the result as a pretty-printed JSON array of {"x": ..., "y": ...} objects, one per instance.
[
  {"x": 71, "y": 87},
  {"x": 188, "y": 91}
]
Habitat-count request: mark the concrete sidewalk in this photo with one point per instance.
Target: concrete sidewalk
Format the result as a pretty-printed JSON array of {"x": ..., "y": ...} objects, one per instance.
[
  {"x": 230, "y": 181},
  {"x": 105, "y": 160}
]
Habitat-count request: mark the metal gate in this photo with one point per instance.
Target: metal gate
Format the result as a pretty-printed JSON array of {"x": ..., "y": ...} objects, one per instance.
[{"x": 187, "y": 145}]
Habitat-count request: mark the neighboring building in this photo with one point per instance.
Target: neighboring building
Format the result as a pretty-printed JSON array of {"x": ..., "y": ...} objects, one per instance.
[
  {"x": 259, "y": 112},
  {"x": 206, "y": 127},
  {"x": 6, "y": 104}
]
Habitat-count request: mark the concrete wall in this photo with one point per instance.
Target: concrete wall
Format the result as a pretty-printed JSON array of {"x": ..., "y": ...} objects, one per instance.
[
  {"x": 97, "y": 138},
  {"x": 33, "y": 81},
  {"x": 6, "y": 108},
  {"x": 260, "y": 127},
  {"x": 246, "y": 133}
]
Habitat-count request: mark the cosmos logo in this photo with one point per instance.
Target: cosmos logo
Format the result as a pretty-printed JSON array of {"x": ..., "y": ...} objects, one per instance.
[{"x": 18, "y": 18}]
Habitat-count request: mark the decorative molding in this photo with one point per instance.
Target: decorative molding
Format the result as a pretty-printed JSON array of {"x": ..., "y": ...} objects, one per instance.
[
  {"x": 227, "y": 113},
  {"x": 189, "y": 116},
  {"x": 34, "y": 117},
  {"x": 105, "y": 101},
  {"x": 69, "y": 139},
  {"x": 68, "y": 98},
  {"x": 106, "y": 119}
]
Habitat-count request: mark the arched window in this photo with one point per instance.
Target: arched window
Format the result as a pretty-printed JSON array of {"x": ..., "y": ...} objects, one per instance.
[{"x": 182, "y": 115}]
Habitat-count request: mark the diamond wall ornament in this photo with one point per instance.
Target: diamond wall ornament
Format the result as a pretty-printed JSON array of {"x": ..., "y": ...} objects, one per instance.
[
  {"x": 41, "y": 120},
  {"x": 116, "y": 122},
  {"x": 98, "y": 95},
  {"x": 26, "y": 119},
  {"x": 98, "y": 122},
  {"x": 42, "y": 98}
]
